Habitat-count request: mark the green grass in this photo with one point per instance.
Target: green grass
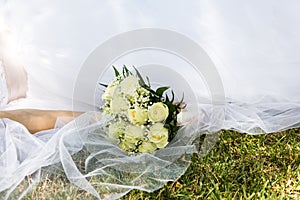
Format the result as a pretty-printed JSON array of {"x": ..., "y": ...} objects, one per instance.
[{"x": 239, "y": 166}]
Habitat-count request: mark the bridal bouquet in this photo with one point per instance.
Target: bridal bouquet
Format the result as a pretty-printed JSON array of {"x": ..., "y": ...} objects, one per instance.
[{"x": 141, "y": 119}]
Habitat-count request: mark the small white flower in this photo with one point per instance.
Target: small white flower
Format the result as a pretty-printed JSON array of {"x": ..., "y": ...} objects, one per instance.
[
  {"x": 158, "y": 112},
  {"x": 158, "y": 134}
]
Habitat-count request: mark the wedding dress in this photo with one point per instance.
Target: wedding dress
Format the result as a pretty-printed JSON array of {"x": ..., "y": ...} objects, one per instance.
[{"x": 236, "y": 62}]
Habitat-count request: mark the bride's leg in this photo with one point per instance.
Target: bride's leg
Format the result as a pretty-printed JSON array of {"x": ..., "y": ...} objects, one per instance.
[{"x": 37, "y": 120}]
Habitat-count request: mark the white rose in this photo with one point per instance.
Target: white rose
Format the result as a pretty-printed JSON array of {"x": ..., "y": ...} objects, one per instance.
[
  {"x": 133, "y": 134},
  {"x": 138, "y": 115},
  {"x": 115, "y": 130},
  {"x": 180, "y": 118},
  {"x": 129, "y": 85},
  {"x": 109, "y": 92},
  {"x": 147, "y": 146},
  {"x": 158, "y": 134},
  {"x": 185, "y": 117},
  {"x": 158, "y": 112},
  {"x": 127, "y": 146}
]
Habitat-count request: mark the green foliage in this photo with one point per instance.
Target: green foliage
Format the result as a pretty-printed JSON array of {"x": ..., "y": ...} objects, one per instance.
[
  {"x": 142, "y": 82},
  {"x": 125, "y": 71},
  {"x": 159, "y": 92},
  {"x": 117, "y": 73},
  {"x": 104, "y": 85},
  {"x": 239, "y": 166}
]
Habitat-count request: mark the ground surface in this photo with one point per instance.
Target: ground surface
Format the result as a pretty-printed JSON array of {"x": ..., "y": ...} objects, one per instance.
[{"x": 239, "y": 166}]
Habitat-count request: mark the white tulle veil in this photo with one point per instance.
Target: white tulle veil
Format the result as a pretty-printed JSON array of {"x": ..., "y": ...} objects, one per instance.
[{"x": 236, "y": 62}]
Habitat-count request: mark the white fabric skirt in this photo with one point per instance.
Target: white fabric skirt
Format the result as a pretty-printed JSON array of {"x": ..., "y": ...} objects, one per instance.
[
  {"x": 248, "y": 78},
  {"x": 254, "y": 47}
]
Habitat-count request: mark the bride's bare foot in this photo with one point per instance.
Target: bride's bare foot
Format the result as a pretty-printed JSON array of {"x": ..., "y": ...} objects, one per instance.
[{"x": 37, "y": 120}]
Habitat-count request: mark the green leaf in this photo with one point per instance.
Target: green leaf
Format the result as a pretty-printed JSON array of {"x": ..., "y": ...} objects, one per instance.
[
  {"x": 104, "y": 85},
  {"x": 116, "y": 71},
  {"x": 181, "y": 101},
  {"x": 123, "y": 72},
  {"x": 167, "y": 98},
  {"x": 139, "y": 76},
  {"x": 175, "y": 128},
  {"x": 161, "y": 90},
  {"x": 148, "y": 80},
  {"x": 167, "y": 126},
  {"x": 150, "y": 90},
  {"x": 172, "y": 96},
  {"x": 126, "y": 71}
]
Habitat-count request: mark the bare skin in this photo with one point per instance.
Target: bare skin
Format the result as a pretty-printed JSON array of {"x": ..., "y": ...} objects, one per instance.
[{"x": 37, "y": 120}]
